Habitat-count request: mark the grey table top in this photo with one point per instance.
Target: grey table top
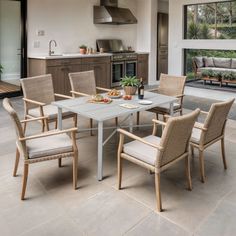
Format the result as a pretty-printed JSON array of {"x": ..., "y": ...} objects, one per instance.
[{"x": 102, "y": 112}]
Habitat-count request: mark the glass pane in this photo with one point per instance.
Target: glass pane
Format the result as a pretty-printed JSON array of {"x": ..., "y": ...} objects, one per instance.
[
  {"x": 211, "y": 21},
  {"x": 117, "y": 72},
  {"x": 131, "y": 69},
  {"x": 10, "y": 45}
]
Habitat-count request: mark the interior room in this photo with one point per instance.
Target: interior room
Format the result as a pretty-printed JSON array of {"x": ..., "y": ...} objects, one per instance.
[{"x": 117, "y": 117}]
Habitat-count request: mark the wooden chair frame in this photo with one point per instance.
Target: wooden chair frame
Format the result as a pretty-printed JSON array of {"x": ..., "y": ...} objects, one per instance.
[{"x": 154, "y": 169}]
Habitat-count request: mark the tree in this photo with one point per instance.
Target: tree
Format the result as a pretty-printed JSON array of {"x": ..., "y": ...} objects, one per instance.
[{"x": 194, "y": 31}]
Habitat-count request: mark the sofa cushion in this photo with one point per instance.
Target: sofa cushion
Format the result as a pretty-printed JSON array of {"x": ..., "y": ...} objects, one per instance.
[
  {"x": 196, "y": 135},
  {"x": 143, "y": 152},
  {"x": 165, "y": 108},
  {"x": 222, "y": 62},
  {"x": 199, "y": 61},
  {"x": 233, "y": 64},
  {"x": 208, "y": 61}
]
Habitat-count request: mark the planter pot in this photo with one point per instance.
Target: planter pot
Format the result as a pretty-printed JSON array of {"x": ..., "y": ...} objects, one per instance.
[
  {"x": 129, "y": 90},
  {"x": 82, "y": 50}
]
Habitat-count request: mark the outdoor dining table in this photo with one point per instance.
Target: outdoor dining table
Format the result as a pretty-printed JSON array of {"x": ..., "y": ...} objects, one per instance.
[{"x": 104, "y": 112}]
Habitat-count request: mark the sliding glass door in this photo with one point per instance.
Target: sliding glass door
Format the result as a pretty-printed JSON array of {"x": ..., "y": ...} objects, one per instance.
[{"x": 12, "y": 49}]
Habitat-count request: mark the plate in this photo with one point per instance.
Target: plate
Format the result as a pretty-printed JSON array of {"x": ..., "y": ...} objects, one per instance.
[{"x": 145, "y": 102}]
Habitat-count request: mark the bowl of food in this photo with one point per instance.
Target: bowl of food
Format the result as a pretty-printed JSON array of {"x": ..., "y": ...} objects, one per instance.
[
  {"x": 114, "y": 94},
  {"x": 98, "y": 98}
]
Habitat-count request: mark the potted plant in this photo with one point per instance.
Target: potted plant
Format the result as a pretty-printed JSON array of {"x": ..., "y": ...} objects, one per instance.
[
  {"x": 130, "y": 84},
  {"x": 83, "y": 49}
]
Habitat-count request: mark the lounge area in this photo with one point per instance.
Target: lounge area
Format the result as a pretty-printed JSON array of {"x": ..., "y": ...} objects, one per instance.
[{"x": 105, "y": 140}]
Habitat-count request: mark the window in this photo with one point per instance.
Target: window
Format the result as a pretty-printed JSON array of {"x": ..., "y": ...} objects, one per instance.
[{"x": 211, "y": 20}]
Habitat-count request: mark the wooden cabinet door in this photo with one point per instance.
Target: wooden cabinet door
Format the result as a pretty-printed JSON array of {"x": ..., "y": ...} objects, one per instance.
[
  {"x": 143, "y": 67},
  {"x": 57, "y": 73},
  {"x": 71, "y": 69},
  {"x": 102, "y": 74}
]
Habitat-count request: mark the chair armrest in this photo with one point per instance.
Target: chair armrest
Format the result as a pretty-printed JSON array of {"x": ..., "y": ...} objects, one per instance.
[
  {"x": 56, "y": 132},
  {"x": 62, "y": 96},
  {"x": 103, "y": 89},
  {"x": 204, "y": 112},
  {"x": 34, "y": 102},
  {"x": 159, "y": 122},
  {"x": 34, "y": 119},
  {"x": 198, "y": 125},
  {"x": 126, "y": 133},
  {"x": 80, "y": 94},
  {"x": 180, "y": 96}
]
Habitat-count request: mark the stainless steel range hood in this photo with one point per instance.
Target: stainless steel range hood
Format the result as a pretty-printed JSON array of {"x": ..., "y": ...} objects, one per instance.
[{"x": 109, "y": 13}]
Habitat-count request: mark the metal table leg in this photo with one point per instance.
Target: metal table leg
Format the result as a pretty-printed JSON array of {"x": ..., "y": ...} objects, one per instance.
[
  {"x": 59, "y": 118},
  {"x": 100, "y": 151},
  {"x": 131, "y": 123},
  {"x": 171, "y": 109}
]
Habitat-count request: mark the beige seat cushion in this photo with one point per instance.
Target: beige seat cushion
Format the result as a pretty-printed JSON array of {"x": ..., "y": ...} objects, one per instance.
[
  {"x": 49, "y": 110},
  {"x": 47, "y": 146},
  {"x": 165, "y": 108},
  {"x": 196, "y": 135},
  {"x": 141, "y": 151}
]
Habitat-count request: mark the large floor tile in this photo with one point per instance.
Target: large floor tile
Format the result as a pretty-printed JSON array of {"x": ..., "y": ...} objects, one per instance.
[
  {"x": 154, "y": 224},
  {"x": 108, "y": 213},
  {"x": 221, "y": 222}
]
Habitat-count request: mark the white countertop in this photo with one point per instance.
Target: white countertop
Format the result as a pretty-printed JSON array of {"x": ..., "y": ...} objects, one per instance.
[
  {"x": 73, "y": 55},
  {"x": 69, "y": 55}
]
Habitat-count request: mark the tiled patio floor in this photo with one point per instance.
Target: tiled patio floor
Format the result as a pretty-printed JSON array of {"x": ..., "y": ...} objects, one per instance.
[{"x": 97, "y": 208}]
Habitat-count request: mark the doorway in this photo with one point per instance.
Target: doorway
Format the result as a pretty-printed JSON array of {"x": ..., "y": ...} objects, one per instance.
[
  {"x": 13, "y": 46},
  {"x": 162, "y": 43}
]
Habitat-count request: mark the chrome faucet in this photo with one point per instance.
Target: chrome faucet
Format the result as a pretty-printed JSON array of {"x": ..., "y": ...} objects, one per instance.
[{"x": 50, "y": 47}]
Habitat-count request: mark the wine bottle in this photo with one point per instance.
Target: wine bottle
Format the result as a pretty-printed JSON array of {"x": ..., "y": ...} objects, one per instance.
[{"x": 141, "y": 89}]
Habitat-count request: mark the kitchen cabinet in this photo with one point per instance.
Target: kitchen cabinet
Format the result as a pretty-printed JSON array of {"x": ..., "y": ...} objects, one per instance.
[
  {"x": 60, "y": 68},
  {"x": 143, "y": 67}
]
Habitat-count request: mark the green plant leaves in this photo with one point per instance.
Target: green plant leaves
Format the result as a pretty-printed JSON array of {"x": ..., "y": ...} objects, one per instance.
[{"x": 130, "y": 81}]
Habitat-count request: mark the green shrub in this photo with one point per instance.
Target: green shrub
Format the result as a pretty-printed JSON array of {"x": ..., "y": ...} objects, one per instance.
[
  {"x": 194, "y": 31},
  {"x": 205, "y": 31},
  {"x": 1, "y": 69}
]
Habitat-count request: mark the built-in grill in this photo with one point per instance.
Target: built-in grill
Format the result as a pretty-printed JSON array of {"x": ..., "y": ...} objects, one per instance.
[{"x": 124, "y": 62}]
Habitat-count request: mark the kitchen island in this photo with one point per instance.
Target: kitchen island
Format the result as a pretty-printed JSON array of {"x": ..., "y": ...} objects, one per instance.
[{"x": 61, "y": 65}]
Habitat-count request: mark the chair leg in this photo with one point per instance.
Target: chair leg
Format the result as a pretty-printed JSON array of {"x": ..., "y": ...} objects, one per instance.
[
  {"x": 75, "y": 170},
  {"x": 157, "y": 116},
  {"x": 223, "y": 153},
  {"x": 138, "y": 118},
  {"x": 25, "y": 124},
  {"x": 117, "y": 121},
  {"x": 43, "y": 126},
  {"x": 59, "y": 163},
  {"x": 47, "y": 125},
  {"x": 16, "y": 162},
  {"x": 119, "y": 166},
  {"x": 158, "y": 191},
  {"x": 91, "y": 126},
  {"x": 181, "y": 112},
  {"x": 75, "y": 118},
  {"x": 56, "y": 124},
  {"x": 202, "y": 168},
  {"x": 188, "y": 173},
  {"x": 25, "y": 177},
  {"x": 192, "y": 150}
]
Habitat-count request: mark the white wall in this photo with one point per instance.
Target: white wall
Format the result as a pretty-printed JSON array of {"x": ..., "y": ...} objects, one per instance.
[
  {"x": 176, "y": 42},
  {"x": 147, "y": 33},
  {"x": 70, "y": 23}
]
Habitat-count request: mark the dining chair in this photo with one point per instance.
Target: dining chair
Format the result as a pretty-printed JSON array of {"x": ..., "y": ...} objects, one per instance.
[
  {"x": 211, "y": 131},
  {"x": 38, "y": 94},
  {"x": 171, "y": 86},
  {"x": 84, "y": 84},
  {"x": 157, "y": 154},
  {"x": 46, "y": 146}
]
